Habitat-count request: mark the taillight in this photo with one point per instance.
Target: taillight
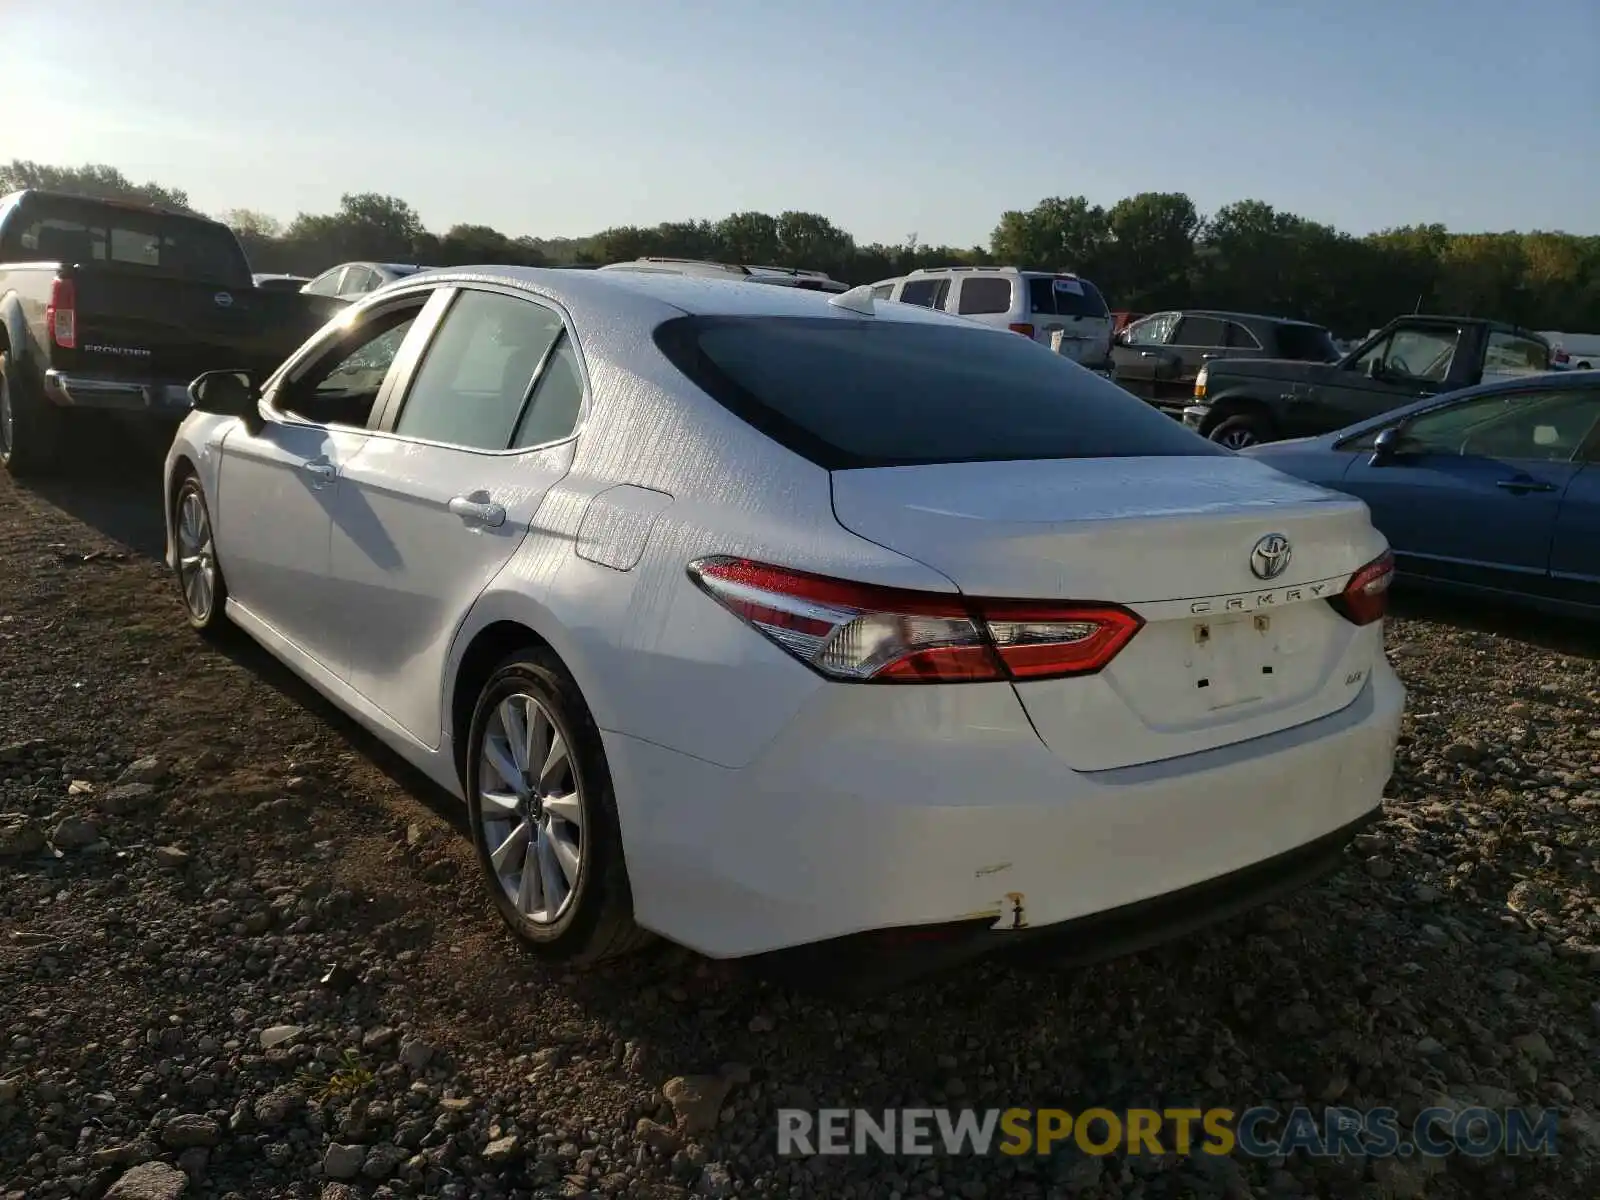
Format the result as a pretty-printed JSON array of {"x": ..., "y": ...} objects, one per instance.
[
  {"x": 863, "y": 633},
  {"x": 1024, "y": 329},
  {"x": 1365, "y": 598},
  {"x": 61, "y": 314}
]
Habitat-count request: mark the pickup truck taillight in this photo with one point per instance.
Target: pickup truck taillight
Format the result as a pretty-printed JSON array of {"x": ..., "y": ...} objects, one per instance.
[{"x": 61, "y": 314}]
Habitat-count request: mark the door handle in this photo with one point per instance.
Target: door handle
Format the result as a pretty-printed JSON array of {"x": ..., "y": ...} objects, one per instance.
[
  {"x": 321, "y": 470},
  {"x": 1209, "y": 357},
  {"x": 478, "y": 512},
  {"x": 1526, "y": 485},
  {"x": 1148, "y": 354}
]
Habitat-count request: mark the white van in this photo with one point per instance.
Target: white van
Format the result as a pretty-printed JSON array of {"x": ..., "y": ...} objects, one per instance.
[{"x": 1036, "y": 304}]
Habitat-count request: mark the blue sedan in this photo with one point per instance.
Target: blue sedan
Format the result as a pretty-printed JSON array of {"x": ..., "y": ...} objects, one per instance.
[{"x": 1493, "y": 490}]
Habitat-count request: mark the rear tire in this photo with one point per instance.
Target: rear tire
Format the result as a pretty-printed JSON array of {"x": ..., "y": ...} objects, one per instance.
[
  {"x": 543, "y": 815},
  {"x": 1244, "y": 429},
  {"x": 30, "y": 429},
  {"x": 201, "y": 587}
]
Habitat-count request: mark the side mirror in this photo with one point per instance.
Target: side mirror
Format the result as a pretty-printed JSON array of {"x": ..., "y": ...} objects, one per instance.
[
  {"x": 1390, "y": 445},
  {"x": 228, "y": 394},
  {"x": 1375, "y": 369}
]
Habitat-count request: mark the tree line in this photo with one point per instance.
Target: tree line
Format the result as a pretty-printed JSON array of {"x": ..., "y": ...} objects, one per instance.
[{"x": 1151, "y": 251}]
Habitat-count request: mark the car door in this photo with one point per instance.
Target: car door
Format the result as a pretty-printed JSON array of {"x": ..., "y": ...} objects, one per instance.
[
  {"x": 1195, "y": 341},
  {"x": 1139, "y": 349},
  {"x": 1405, "y": 365},
  {"x": 1575, "y": 547},
  {"x": 1474, "y": 493},
  {"x": 441, "y": 496},
  {"x": 278, "y": 485}
]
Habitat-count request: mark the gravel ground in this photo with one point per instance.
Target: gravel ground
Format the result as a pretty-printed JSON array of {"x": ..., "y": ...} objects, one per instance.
[{"x": 245, "y": 952}]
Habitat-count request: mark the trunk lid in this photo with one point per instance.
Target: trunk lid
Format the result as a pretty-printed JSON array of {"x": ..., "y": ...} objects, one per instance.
[{"x": 1224, "y": 654}]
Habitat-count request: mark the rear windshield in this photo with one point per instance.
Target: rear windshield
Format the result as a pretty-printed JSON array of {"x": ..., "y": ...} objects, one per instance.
[
  {"x": 848, "y": 393},
  {"x": 1307, "y": 343},
  {"x": 65, "y": 231},
  {"x": 1066, "y": 297}
]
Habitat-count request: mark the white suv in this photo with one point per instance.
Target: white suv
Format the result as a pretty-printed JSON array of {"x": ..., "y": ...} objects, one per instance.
[{"x": 1033, "y": 303}]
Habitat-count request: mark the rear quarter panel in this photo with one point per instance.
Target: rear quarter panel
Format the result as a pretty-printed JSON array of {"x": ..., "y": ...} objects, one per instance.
[{"x": 655, "y": 657}]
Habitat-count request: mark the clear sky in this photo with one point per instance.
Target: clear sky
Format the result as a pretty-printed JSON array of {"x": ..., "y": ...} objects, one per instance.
[{"x": 561, "y": 117}]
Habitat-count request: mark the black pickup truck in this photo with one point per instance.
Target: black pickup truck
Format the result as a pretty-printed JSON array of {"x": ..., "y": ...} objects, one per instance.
[
  {"x": 1239, "y": 402},
  {"x": 109, "y": 307}
]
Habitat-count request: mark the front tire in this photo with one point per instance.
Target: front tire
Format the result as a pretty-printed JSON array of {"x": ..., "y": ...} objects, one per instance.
[
  {"x": 1244, "y": 429},
  {"x": 200, "y": 583},
  {"x": 30, "y": 429},
  {"x": 544, "y": 819}
]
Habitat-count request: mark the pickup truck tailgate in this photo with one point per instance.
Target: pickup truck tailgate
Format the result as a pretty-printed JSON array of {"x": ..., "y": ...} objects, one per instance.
[{"x": 143, "y": 325}]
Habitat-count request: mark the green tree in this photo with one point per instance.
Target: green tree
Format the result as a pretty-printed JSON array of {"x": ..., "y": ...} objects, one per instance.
[
  {"x": 1058, "y": 234},
  {"x": 92, "y": 179},
  {"x": 1151, "y": 255}
]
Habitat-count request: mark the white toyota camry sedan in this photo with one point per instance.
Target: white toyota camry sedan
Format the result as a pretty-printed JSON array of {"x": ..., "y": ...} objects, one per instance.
[{"x": 765, "y": 620}]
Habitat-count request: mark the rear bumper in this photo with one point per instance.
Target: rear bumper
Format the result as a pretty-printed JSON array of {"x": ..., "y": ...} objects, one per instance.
[
  {"x": 857, "y": 818},
  {"x": 866, "y": 963},
  {"x": 167, "y": 398}
]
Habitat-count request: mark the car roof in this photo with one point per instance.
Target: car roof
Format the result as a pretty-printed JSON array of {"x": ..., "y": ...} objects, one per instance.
[
  {"x": 695, "y": 295},
  {"x": 1496, "y": 326},
  {"x": 1242, "y": 316}
]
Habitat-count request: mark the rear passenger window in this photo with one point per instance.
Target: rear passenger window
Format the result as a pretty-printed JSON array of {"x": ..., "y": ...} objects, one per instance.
[
  {"x": 470, "y": 388},
  {"x": 1200, "y": 331},
  {"x": 985, "y": 294},
  {"x": 552, "y": 411},
  {"x": 927, "y": 293},
  {"x": 1241, "y": 338},
  {"x": 357, "y": 281}
]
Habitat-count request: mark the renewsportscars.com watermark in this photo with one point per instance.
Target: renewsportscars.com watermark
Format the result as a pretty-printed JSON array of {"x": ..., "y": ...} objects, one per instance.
[{"x": 1259, "y": 1132}]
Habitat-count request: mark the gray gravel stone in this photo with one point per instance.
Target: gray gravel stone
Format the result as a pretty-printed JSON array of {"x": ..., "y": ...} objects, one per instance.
[{"x": 149, "y": 1181}]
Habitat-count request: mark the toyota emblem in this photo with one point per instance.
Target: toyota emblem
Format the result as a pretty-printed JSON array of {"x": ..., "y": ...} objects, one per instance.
[
  {"x": 223, "y": 300},
  {"x": 1270, "y": 556}
]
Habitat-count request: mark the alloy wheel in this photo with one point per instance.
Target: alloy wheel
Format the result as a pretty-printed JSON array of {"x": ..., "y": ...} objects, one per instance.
[
  {"x": 197, "y": 563},
  {"x": 530, "y": 808},
  {"x": 1238, "y": 439}
]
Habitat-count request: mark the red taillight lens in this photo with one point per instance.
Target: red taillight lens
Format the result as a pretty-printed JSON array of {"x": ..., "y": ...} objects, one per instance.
[
  {"x": 863, "y": 633},
  {"x": 1365, "y": 598},
  {"x": 1024, "y": 329},
  {"x": 61, "y": 314}
]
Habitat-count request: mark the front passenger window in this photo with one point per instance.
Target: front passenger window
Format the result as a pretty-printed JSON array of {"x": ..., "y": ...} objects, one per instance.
[{"x": 342, "y": 387}]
